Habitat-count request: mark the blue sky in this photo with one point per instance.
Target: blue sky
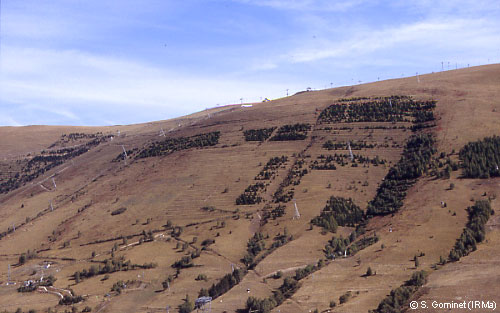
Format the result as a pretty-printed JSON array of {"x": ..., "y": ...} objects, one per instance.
[{"x": 70, "y": 62}]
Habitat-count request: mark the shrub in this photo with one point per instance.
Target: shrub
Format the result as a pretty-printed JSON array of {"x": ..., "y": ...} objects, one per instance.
[
  {"x": 185, "y": 262},
  {"x": 369, "y": 272},
  {"x": 187, "y": 306},
  {"x": 118, "y": 211},
  {"x": 345, "y": 297},
  {"x": 201, "y": 277},
  {"x": 69, "y": 300},
  {"x": 208, "y": 242}
]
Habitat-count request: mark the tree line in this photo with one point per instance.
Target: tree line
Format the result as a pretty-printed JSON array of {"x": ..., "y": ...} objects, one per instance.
[
  {"x": 42, "y": 163},
  {"x": 292, "y": 132},
  {"x": 171, "y": 145},
  {"x": 474, "y": 231},
  {"x": 355, "y": 145},
  {"x": 261, "y": 134},
  {"x": 110, "y": 266},
  {"x": 224, "y": 284},
  {"x": 413, "y": 163},
  {"x": 387, "y": 109},
  {"x": 271, "y": 167},
  {"x": 252, "y": 194},
  {"x": 293, "y": 178},
  {"x": 289, "y": 286},
  {"x": 481, "y": 159},
  {"x": 338, "y": 212},
  {"x": 327, "y": 162},
  {"x": 355, "y": 242},
  {"x": 398, "y": 300}
]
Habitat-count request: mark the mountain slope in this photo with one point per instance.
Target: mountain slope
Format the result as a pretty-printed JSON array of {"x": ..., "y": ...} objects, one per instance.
[{"x": 194, "y": 184}]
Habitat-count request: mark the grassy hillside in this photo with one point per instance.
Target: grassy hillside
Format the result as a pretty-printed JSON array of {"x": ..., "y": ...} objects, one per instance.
[{"x": 216, "y": 192}]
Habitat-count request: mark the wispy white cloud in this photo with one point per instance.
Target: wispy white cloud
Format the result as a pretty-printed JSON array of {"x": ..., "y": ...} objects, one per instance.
[
  {"x": 323, "y": 5},
  {"x": 449, "y": 34},
  {"x": 63, "y": 82},
  {"x": 445, "y": 7},
  {"x": 7, "y": 120}
]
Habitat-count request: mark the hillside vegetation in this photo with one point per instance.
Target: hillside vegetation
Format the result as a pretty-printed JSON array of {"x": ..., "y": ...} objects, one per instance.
[{"x": 354, "y": 199}]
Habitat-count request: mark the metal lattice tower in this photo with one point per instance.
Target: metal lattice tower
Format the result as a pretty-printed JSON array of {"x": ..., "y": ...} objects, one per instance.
[
  {"x": 203, "y": 304},
  {"x": 162, "y": 133},
  {"x": 9, "y": 278},
  {"x": 51, "y": 206},
  {"x": 296, "y": 214},
  {"x": 54, "y": 182},
  {"x": 351, "y": 156},
  {"x": 124, "y": 154}
]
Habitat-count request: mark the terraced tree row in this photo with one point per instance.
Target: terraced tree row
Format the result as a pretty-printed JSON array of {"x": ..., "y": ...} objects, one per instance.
[
  {"x": 72, "y": 137},
  {"x": 329, "y": 162},
  {"x": 339, "y": 212},
  {"x": 253, "y": 193},
  {"x": 256, "y": 252},
  {"x": 271, "y": 168},
  {"x": 398, "y": 300},
  {"x": 474, "y": 232},
  {"x": 387, "y": 109},
  {"x": 292, "y": 132},
  {"x": 481, "y": 159},
  {"x": 110, "y": 266},
  {"x": 413, "y": 164},
  {"x": 171, "y": 145},
  {"x": 293, "y": 178},
  {"x": 347, "y": 214},
  {"x": 340, "y": 246},
  {"x": 289, "y": 286},
  {"x": 45, "y": 161},
  {"x": 261, "y": 134},
  {"x": 341, "y": 145}
]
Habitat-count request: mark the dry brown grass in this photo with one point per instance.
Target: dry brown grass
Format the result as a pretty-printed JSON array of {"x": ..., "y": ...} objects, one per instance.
[{"x": 175, "y": 188}]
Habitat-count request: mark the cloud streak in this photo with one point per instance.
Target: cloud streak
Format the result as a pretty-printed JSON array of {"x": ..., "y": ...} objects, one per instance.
[
  {"x": 306, "y": 5},
  {"x": 67, "y": 81},
  {"x": 433, "y": 35}
]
